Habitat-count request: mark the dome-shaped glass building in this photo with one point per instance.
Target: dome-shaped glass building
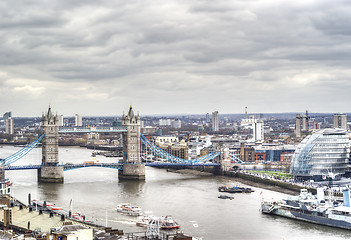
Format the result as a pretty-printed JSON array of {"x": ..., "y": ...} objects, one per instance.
[{"x": 324, "y": 153}]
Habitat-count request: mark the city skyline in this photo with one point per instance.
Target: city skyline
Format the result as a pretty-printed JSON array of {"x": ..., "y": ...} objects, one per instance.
[{"x": 174, "y": 57}]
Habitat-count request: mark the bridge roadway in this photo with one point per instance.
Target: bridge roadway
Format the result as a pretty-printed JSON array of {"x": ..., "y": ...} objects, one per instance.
[{"x": 67, "y": 167}]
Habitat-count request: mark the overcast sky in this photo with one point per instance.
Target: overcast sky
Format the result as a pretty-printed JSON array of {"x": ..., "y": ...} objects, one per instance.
[{"x": 174, "y": 56}]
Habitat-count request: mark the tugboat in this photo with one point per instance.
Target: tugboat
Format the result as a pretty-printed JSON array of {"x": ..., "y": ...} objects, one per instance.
[
  {"x": 129, "y": 209},
  {"x": 314, "y": 209},
  {"x": 235, "y": 189}
]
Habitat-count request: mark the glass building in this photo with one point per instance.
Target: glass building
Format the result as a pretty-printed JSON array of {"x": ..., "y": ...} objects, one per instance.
[{"x": 323, "y": 154}]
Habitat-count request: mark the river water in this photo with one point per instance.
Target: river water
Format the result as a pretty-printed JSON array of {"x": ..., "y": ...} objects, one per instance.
[{"x": 191, "y": 200}]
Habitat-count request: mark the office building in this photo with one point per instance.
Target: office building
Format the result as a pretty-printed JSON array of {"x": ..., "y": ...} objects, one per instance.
[
  {"x": 323, "y": 154},
  {"x": 61, "y": 120},
  {"x": 301, "y": 124},
  {"x": 7, "y": 115},
  {"x": 208, "y": 119},
  {"x": 9, "y": 129},
  {"x": 340, "y": 121},
  {"x": 176, "y": 124},
  {"x": 215, "y": 125},
  {"x": 78, "y": 120},
  {"x": 298, "y": 126},
  {"x": 164, "y": 122},
  {"x": 258, "y": 130}
]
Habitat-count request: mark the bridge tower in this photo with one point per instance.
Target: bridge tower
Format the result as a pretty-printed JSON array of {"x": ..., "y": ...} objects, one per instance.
[
  {"x": 50, "y": 172},
  {"x": 132, "y": 167}
]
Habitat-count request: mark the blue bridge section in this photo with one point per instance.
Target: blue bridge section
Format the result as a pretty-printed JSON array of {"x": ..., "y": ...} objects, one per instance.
[
  {"x": 189, "y": 164},
  {"x": 118, "y": 166},
  {"x": 67, "y": 167},
  {"x": 169, "y": 160}
]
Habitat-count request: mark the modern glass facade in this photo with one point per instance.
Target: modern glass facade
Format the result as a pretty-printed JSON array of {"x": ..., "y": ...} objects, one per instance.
[{"x": 322, "y": 154}]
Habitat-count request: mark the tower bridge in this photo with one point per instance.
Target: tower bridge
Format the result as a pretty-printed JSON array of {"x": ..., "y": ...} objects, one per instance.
[{"x": 131, "y": 167}]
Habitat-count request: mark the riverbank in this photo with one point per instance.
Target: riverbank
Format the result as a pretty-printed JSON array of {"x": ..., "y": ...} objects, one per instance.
[
  {"x": 252, "y": 180},
  {"x": 272, "y": 183},
  {"x": 191, "y": 172}
]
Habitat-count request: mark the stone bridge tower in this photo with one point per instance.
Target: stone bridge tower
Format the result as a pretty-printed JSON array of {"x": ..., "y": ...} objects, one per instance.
[
  {"x": 50, "y": 172},
  {"x": 132, "y": 167}
]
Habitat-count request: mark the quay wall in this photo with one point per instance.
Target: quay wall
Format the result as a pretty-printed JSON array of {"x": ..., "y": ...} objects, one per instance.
[{"x": 266, "y": 181}]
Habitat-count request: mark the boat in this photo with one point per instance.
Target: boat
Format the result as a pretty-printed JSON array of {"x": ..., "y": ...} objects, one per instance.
[
  {"x": 144, "y": 220},
  {"x": 129, "y": 209},
  {"x": 168, "y": 222},
  {"x": 225, "y": 197},
  {"x": 235, "y": 189},
  {"x": 312, "y": 208}
]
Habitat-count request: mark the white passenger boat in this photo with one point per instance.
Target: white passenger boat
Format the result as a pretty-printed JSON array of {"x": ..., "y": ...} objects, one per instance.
[{"x": 126, "y": 208}]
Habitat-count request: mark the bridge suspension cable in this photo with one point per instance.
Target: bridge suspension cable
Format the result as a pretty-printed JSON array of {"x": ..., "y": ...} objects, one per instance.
[
  {"x": 169, "y": 157},
  {"x": 235, "y": 158},
  {"x": 21, "y": 153}
]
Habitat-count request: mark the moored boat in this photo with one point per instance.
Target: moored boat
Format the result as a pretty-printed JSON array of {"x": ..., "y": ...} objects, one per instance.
[
  {"x": 144, "y": 220},
  {"x": 168, "y": 222},
  {"x": 311, "y": 208},
  {"x": 235, "y": 189}
]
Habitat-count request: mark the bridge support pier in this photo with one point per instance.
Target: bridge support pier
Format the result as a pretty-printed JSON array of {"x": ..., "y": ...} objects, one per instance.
[
  {"x": 133, "y": 169},
  {"x": 50, "y": 174},
  {"x": 132, "y": 172}
]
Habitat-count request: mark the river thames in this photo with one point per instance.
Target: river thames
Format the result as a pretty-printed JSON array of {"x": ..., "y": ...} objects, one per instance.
[{"x": 191, "y": 200}]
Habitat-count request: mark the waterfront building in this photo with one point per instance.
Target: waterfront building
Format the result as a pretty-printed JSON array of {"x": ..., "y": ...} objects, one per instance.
[
  {"x": 247, "y": 153},
  {"x": 5, "y": 184},
  {"x": 165, "y": 140},
  {"x": 78, "y": 121},
  {"x": 340, "y": 121},
  {"x": 179, "y": 150},
  {"x": 260, "y": 156},
  {"x": 215, "y": 124},
  {"x": 324, "y": 153},
  {"x": 73, "y": 232},
  {"x": 148, "y": 130}
]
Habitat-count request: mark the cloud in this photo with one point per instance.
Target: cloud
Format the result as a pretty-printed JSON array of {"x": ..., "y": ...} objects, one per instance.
[{"x": 195, "y": 56}]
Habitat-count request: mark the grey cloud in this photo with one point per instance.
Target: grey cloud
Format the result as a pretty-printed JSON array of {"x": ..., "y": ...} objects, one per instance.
[{"x": 175, "y": 48}]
